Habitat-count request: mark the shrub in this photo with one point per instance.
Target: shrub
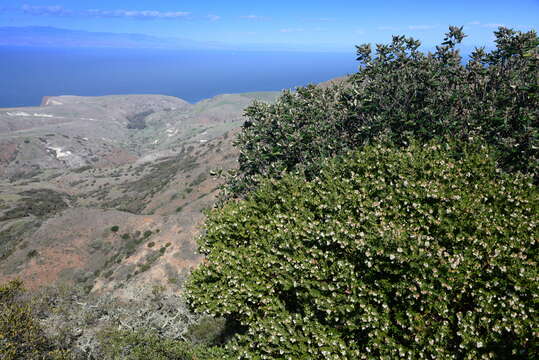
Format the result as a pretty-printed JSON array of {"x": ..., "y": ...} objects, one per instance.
[
  {"x": 423, "y": 252},
  {"x": 145, "y": 267},
  {"x": 14, "y": 236},
  {"x": 32, "y": 254},
  {"x": 131, "y": 244},
  {"x": 39, "y": 203},
  {"x": 139, "y": 345},
  {"x": 115, "y": 228},
  {"x": 207, "y": 331},
  {"x": 82, "y": 169},
  {"x": 199, "y": 179},
  {"x": 401, "y": 93},
  {"x": 21, "y": 336}
]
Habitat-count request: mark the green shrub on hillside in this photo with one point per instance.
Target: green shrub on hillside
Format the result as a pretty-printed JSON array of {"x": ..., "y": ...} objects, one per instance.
[
  {"x": 401, "y": 93},
  {"x": 21, "y": 336},
  {"x": 139, "y": 345},
  {"x": 428, "y": 251},
  {"x": 38, "y": 203}
]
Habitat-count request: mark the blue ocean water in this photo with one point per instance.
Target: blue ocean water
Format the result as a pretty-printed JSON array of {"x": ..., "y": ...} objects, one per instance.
[{"x": 27, "y": 73}]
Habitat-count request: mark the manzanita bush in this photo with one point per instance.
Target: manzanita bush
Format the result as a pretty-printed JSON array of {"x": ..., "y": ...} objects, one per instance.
[
  {"x": 400, "y": 93},
  {"x": 419, "y": 252}
]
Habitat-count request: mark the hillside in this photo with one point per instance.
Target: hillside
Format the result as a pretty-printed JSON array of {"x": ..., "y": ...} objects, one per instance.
[{"x": 76, "y": 167}]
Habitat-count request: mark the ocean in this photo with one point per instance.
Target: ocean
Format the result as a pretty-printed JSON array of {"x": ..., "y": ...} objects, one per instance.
[{"x": 28, "y": 73}]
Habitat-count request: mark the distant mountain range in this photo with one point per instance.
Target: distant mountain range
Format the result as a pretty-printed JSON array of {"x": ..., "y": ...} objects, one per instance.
[
  {"x": 44, "y": 36},
  {"x": 54, "y": 37}
]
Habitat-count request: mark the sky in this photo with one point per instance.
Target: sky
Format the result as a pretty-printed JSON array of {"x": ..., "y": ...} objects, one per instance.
[{"x": 295, "y": 24}]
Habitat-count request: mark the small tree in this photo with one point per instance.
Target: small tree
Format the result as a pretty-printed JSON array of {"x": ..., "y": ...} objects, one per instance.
[{"x": 423, "y": 252}]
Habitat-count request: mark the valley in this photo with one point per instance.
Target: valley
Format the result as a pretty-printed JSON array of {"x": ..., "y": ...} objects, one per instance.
[{"x": 109, "y": 192}]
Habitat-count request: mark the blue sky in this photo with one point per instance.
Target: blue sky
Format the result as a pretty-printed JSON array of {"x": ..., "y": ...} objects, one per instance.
[{"x": 301, "y": 25}]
